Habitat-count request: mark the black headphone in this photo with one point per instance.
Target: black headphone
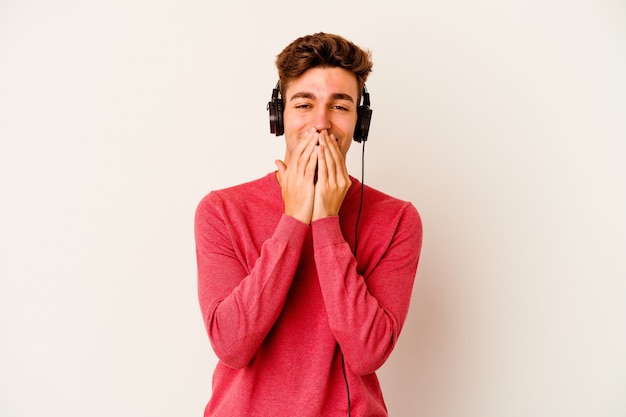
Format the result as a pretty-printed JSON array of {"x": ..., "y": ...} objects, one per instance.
[{"x": 361, "y": 130}]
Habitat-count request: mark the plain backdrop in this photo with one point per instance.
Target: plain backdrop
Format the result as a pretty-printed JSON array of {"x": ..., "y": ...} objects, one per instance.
[{"x": 504, "y": 122}]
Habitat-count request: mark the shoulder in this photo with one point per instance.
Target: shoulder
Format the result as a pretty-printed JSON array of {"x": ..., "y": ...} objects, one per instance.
[
  {"x": 239, "y": 193},
  {"x": 386, "y": 212},
  {"x": 381, "y": 201}
]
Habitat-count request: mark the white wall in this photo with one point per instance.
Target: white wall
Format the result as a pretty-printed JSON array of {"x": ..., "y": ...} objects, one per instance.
[{"x": 504, "y": 123}]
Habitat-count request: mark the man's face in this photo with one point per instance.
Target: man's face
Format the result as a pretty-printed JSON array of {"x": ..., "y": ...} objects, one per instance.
[{"x": 323, "y": 98}]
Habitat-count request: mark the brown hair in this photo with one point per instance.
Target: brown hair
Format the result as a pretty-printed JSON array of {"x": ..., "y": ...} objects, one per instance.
[{"x": 322, "y": 50}]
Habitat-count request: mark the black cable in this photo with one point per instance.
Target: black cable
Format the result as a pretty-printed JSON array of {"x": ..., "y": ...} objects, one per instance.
[
  {"x": 358, "y": 216},
  {"x": 356, "y": 240},
  {"x": 345, "y": 379}
]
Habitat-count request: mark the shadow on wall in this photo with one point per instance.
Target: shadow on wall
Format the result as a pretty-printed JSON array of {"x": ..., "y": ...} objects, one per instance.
[{"x": 421, "y": 369}]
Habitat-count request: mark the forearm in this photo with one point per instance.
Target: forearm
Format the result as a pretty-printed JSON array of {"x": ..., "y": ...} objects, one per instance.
[
  {"x": 241, "y": 300},
  {"x": 364, "y": 329},
  {"x": 365, "y": 314}
]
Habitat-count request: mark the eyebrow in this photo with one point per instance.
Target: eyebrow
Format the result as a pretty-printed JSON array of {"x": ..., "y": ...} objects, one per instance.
[{"x": 336, "y": 96}]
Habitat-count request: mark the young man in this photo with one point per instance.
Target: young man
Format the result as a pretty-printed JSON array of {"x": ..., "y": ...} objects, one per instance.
[{"x": 299, "y": 322}]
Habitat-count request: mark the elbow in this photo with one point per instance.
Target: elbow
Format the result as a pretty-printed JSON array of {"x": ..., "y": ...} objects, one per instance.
[
  {"x": 368, "y": 350},
  {"x": 366, "y": 366},
  {"x": 232, "y": 357},
  {"x": 233, "y": 352},
  {"x": 367, "y": 360}
]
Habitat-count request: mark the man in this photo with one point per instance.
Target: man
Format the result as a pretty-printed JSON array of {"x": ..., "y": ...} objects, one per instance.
[{"x": 299, "y": 322}]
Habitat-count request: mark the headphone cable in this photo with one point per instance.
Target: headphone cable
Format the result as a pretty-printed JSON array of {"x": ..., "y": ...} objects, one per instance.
[
  {"x": 356, "y": 237},
  {"x": 358, "y": 216}
]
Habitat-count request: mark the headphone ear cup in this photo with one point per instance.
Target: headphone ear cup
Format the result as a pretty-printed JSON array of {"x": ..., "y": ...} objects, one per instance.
[
  {"x": 275, "y": 108},
  {"x": 280, "y": 126},
  {"x": 362, "y": 127}
]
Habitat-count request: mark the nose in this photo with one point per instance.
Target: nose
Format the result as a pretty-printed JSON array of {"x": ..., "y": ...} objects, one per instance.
[{"x": 321, "y": 119}]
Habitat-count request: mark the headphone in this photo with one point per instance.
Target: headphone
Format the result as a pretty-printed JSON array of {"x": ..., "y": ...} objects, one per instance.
[{"x": 276, "y": 108}]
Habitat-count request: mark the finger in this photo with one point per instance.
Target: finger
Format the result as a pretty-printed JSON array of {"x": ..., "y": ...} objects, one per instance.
[
  {"x": 308, "y": 159},
  {"x": 337, "y": 156},
  {"x": 280, "y": 165},
  {"x": 303, "y": 143},
  {"x": 333, "y": 146},
  {"x": 329, "y": 160},
  {"x": 322, "y": 167}
]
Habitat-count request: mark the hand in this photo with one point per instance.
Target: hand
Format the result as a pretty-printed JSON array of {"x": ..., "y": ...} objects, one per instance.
[
  {"x": 297, "y": 179},
  {"x": 333, "y": 181}
]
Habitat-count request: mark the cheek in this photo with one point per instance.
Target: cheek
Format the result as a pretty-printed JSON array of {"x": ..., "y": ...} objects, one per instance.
[
  {"x": 344, "y": 146},
  {"x": 346, "y": 140},
  {"x": 292, "y": 120}
]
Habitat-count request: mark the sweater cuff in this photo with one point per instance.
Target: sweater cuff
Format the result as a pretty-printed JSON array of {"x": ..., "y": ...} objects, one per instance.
[
  {"x": 327, "y": 232},
  {"x": 291, "y": 231}
]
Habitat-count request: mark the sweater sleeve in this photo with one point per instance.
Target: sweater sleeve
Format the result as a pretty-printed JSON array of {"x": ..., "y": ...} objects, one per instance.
[
  {"x": 241, "y": 302},
  {"x": 366, "y": 313}
]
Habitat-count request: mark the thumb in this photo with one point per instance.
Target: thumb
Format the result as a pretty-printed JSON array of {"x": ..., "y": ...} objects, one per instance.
[
  {"x": 280, "y": 165},
  {"x": 281, "y": 168}
]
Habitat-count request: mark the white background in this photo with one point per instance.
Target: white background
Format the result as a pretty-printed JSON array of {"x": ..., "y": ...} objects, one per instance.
[{"x": 504, "y": 122}]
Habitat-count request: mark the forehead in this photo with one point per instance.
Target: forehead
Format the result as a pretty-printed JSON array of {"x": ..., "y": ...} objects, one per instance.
[{"x": 322, "y": 82}]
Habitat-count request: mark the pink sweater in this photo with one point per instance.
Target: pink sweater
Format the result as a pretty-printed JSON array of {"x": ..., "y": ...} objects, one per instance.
[{"x": 281, "y": 300}]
